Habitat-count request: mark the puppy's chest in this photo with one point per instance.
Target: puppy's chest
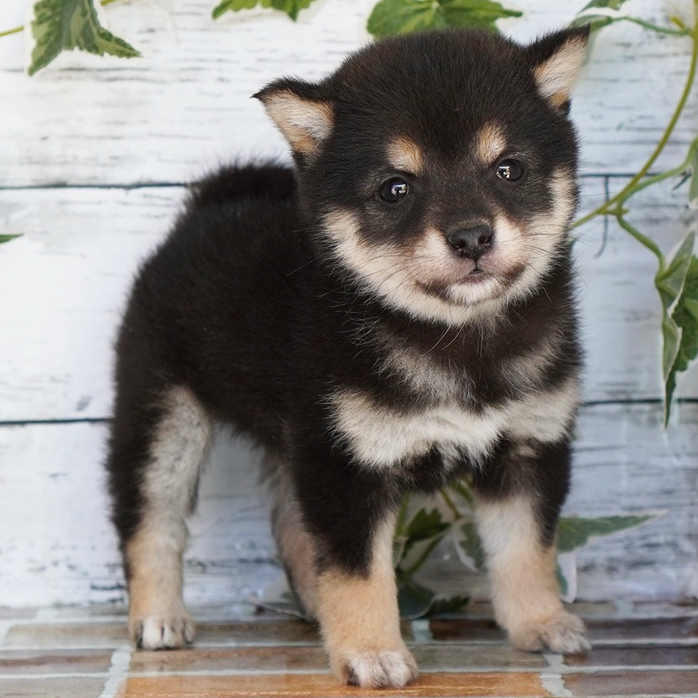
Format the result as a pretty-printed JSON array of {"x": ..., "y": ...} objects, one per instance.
[{"x": 459, "y": 411}]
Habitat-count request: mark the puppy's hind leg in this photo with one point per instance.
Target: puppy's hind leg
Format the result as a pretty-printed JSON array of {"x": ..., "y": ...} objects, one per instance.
[
  {"x": 296, "y": 546},
  {"x": 154, "y": 468}
]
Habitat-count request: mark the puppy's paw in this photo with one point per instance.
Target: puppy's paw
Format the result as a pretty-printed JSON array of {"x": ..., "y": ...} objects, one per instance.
[
  {"x": 564, "y": 633},
  {"x": 162, "y": 632},
  {"x": 393, "y": 668}
]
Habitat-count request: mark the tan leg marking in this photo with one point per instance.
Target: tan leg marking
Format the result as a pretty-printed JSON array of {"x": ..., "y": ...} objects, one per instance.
[
  {"x": 157, "y": 616},
  {"x": 296, "y": 546},
  {"x": 361, "y": 624},
  {"x": 525, "y": 591}
]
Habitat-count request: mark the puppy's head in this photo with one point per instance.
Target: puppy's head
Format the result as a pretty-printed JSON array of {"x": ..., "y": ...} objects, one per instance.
[{"x": 439, "y": 168}]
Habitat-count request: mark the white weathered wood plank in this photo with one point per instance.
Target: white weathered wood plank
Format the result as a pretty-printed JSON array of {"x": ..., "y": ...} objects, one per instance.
[
  {"x": 66, "y": 552},
  {"x": 626, "y": 464},
  {"x": 186, "y": 104},
  {"x": 66, "y": 281},
  {"x": 620, "y": 308},
  {"x": 63, "y": 286}
]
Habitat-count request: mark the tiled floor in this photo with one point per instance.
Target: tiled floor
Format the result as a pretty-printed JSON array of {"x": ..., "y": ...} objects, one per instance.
[{"x": 83, "y": 653}]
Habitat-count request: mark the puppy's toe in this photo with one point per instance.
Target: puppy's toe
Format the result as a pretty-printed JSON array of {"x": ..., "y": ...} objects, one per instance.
[
  {"x": 162, "y": 632},
  {"x": 564, "y": 633},
  {"x": 393, "y": 668}
]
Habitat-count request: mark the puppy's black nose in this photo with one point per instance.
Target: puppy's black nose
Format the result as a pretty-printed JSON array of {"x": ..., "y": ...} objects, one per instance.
[{"x": 472, "y": 241}]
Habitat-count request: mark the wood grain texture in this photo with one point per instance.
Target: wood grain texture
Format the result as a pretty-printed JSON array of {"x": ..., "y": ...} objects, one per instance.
[
  {"x": 186, "y": 103},
  {"x": 64, "y": 549},
  {"x": 457, "y": 685},
  {"x": 80, "y": 139},
  {"x": 84, "y": 245}
]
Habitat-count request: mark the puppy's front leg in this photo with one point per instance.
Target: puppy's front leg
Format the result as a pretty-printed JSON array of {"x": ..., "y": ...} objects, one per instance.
[
  {"x": 520, "y": 496},
  {"x": 360, "y": 622}
]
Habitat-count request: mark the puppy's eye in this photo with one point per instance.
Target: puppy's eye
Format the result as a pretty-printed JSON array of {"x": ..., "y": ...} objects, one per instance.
[
  {"x": 394, "y": 190},
  {"x": 510, "y": 170}
]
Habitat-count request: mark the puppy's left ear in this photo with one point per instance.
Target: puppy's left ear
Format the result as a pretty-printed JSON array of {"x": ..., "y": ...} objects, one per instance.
[
  {"x": 301, "y": 114},
  {"x": 556, "y": 61}
]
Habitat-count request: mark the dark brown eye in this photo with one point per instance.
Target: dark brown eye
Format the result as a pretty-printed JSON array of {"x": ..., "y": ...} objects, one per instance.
[
  {"x": 394, "y": 190},
  {"x": 510, "y": 170}
]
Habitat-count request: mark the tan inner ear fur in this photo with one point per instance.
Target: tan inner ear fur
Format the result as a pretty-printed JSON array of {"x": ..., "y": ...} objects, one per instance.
[
  {"x": 304, "y": 123},
  {"x": 556, "y": 76}
]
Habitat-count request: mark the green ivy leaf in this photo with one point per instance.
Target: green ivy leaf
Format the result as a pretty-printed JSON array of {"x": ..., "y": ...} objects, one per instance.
[
  {"x": 685, "y": 318},
  {"x": 414, "y": 541},
  {"x": 561, "y": 579},
  {"x": 7, "y": 237},
  {"x": 598, "y": 20},
  {"x": 290, "y": 7},
  {"x": 471, "y": 545},
  {"x": 416, "y": 601},
  {"x": 453, "y": 604},
  {"x": 692, "y": 174},
  {"x": 63, "y": 25},
  {"x": 425, "y": 526},
  {"x": 391, "y": 17},
  {"x": 233, "y": 6},
  {"x": 608, "y": 4},
  {"x": 677, "y": 316},
  {"x": 574, "y": 532}
]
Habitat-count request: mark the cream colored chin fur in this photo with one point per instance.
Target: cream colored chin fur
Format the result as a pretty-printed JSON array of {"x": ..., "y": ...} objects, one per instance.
[{"x": 402, "y": 276}]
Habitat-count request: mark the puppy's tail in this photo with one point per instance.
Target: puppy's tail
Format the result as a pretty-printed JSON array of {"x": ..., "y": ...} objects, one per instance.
[{"x": 264, "y": 180}]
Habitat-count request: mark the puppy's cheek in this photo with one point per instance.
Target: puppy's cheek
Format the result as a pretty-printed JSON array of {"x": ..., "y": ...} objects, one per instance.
[
  {"x": 384, "y": 270},
  {"x": 373, "y": 263}
]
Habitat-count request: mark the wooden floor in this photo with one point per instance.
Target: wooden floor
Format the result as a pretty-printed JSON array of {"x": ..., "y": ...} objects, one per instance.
[{"x": 83, "y": 653}]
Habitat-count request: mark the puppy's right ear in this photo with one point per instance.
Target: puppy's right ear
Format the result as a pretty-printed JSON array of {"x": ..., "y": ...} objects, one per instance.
[
  {"x": 304, "y": 118},
  {"x": 556, "y": 61}
]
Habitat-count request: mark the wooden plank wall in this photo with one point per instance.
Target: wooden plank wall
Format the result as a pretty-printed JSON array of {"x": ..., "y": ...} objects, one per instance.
[{"x": 93, "y": 155}]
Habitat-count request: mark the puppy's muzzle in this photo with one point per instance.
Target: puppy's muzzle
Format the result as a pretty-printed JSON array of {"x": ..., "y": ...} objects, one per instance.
[{"x": 471, "y": 241}]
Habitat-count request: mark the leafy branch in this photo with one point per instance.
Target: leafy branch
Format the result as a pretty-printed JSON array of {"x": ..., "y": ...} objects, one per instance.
[
  {"x": 417, "y": 536},
  {"x": 676, "y": 279},
  {"x": 290, "y": 7}
]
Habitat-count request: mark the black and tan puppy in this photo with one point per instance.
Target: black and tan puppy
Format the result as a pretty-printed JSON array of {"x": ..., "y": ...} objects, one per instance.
[{"x": 394, "y": 312}]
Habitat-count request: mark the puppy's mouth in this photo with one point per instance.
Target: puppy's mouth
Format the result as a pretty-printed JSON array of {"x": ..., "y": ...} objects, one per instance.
[{"x": 475, "y": 276}]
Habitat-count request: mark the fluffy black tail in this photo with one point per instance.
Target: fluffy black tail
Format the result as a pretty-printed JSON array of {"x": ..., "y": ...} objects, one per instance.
[{"x": 244, "y": 182}]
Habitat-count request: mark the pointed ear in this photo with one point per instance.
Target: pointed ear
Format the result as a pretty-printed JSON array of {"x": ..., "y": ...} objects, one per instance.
[
  {"x": 556, "y": 61},
  {"x": 302, "y": 116}
]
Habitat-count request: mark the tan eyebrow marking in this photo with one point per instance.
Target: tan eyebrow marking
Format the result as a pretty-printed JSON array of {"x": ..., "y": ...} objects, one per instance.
[
  {"x": 404, "y": 154},
  {"x": 489, "y": 143}
]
